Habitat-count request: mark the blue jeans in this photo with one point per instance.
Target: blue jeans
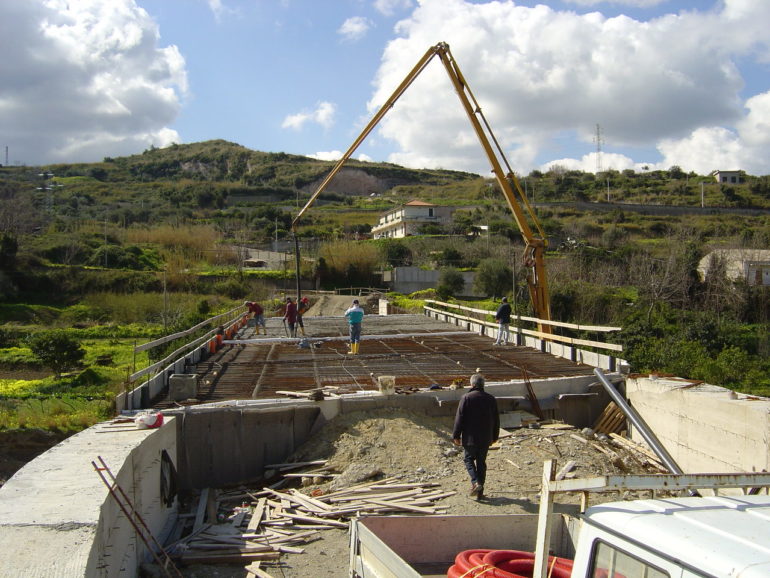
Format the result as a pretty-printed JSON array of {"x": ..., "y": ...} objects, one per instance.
[
  {"x": 475, "y": 458},
  {"x": 355, "y": 332},
  {"x": 502, "y": 333}
]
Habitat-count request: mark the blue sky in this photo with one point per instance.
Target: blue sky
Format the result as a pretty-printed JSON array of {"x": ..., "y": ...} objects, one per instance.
[{"x": 670, "y": 82}]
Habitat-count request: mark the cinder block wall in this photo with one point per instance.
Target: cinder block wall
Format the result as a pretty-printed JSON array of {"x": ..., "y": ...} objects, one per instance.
[{"x": 705, "y": 428}]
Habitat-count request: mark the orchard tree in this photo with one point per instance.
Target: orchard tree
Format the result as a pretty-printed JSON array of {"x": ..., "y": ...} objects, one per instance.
[
  {"x": 493, "y": 277},
  {"x": 450, "y": 282}
]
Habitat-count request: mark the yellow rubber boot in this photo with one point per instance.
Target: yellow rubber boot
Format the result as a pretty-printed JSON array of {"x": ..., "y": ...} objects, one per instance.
[
  {"x": 302, "y": 329},
  {"x": 352, "y": 349},
  {"x": 355, "y": 348}
]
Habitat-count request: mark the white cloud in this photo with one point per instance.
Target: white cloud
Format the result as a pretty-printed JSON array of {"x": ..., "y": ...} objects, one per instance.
[
  {"x": 354, "y": 28},
  {"x": 539, "y": 73},
  {"x": 216, "y": 7},
  {"x": 337, "y": 155},
  {"x": 326, "y": 155},
  {"x": 390, "y": 7},
  {"x": 323, "y": 115},
  {"x": 84, "y": 80},
  {"x": 636, "y": 3}
]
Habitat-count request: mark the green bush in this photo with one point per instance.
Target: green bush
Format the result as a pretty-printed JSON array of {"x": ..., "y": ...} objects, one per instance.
[
  {"x": 450, "y": 283},
  {"x": 57, "y": 350},
  {"x": 493, "y": 277}
]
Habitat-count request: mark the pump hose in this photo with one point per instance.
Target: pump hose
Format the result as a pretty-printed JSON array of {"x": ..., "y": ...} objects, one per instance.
[{"x": 504, "y": 564}]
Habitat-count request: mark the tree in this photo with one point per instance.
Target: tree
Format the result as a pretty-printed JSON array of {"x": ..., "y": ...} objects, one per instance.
[
  {"x": 493, "y": 277},
  {"x": 396, "y": 253},
  {"x": 450, "y": 282},
  {"x": 57, "y": 350}
]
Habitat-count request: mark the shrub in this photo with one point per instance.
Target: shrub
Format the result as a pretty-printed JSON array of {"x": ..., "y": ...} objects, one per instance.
[
  {"x": 494, "y": 277},
  {"x": 450, "y": 282},
  {"x": 57, "y": 350}
]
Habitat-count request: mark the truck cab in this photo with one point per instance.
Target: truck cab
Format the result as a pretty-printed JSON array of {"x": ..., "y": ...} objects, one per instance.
[{"x": 673, "y": 537}]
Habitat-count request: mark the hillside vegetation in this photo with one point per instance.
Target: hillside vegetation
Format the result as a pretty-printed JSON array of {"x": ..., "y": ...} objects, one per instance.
[{"x": 154, "y": 242}]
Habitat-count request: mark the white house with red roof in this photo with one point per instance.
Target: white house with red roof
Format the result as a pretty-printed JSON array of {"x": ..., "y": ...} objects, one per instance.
[{"x": 407, "y": 219}]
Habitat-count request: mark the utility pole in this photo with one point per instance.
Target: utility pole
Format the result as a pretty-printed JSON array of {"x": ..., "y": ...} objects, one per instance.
[{"x": 599, "y": 140}]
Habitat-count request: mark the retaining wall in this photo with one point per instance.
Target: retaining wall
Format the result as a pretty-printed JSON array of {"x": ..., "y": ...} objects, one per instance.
[{"x": 705, "y": 428}]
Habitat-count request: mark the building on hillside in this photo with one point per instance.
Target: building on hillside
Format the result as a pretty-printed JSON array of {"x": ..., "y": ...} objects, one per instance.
[
  {"x": 407, "y": 219},
  {"x": 749, "y": 265},
  {"x": 730, "y": 177}
]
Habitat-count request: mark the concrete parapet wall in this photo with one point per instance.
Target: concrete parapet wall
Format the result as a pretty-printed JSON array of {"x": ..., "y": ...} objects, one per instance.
[
  {"x": 705, "y": 428},
  {"x": 57, "y": 517},
  {"x": 519, "y": 338}
]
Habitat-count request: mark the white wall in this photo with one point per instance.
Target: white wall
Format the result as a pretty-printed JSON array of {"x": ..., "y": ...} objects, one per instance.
[
  {"x": 705, "y": 428},
  {"x": 57, "y": 517}
]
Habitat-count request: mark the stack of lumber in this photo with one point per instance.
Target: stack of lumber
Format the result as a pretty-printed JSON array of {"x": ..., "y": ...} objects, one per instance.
[
  {"x": 270, "y": 522},
  {"x": 612, "y": 420}
]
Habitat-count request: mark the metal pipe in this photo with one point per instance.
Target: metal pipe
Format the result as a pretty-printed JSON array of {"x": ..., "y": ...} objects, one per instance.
[{"x": 639, "y": 423}]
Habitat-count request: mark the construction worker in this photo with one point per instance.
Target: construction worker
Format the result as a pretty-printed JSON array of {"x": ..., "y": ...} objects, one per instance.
[
  {"x": 290, "y": 317},
  {"x": 258, "y": 314},
  {"x": 476, "y": 427},
  {"x": 503, "y": 318},
  {"x": 354, "y": 315},
  {"x": 302, "y": 307}
]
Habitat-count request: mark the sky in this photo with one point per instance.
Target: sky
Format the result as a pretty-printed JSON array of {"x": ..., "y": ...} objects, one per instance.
[{"x": 584, "y": 84}]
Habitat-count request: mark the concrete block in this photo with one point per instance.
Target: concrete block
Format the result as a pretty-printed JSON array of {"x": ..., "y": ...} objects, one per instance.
[{"x": 182, "y": 386}]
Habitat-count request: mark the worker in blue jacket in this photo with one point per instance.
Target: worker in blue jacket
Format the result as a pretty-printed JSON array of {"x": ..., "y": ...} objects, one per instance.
[
  {"x": 354, "y": 315},
  {"x": 477, "y": 426}
]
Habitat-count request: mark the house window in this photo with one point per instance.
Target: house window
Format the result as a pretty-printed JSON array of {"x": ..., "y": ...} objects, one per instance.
[{"x": 430, "y": 212}]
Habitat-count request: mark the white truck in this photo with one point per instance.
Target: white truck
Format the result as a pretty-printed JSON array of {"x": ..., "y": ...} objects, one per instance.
[{"x": 711, "y": 536}]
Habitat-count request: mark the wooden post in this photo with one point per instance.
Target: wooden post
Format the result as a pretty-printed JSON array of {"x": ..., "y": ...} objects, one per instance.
[{"x": 543, "y": 541}]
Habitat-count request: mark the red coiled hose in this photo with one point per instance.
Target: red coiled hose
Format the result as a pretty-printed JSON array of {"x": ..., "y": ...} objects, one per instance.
[{"x": 504, "y": 564}]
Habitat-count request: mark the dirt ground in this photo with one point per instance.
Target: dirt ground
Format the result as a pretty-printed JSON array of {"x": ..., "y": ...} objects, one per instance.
[{"x": 419, "y": 448}]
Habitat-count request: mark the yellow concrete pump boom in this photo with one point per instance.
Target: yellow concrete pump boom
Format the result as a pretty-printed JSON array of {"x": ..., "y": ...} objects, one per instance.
[{"x": 534, "y": 243}]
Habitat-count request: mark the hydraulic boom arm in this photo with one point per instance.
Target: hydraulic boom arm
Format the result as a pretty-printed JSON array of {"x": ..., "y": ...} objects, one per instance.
[{"x": 534, "y": 242}]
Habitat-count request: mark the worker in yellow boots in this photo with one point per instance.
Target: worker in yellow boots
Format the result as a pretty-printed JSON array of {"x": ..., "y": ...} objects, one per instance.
[
  {"x": 354, "y": 315},
  {"x": 258, "y": 314}
]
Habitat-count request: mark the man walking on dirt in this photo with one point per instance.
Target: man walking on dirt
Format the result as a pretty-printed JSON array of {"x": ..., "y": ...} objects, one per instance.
[
  {"x": 354, "y": 315},
  {"x": 477, "y": 426}
]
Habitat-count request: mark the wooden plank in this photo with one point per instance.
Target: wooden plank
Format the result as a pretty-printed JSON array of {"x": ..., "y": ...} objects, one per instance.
[
  {"x": 190, "y": 557},
  {"x": 255, "y": 570},
  {"x": 309, "y": 502},
  {"x": 295, "y": 465},
  {"x": 565, "y": 470},
  {"x": 578, "y": 438},
  {"x": 313, "y": 520},
  {"x": 400, "y": 506},
  {"x": 256, "y": 515},
  {"x": 201, "y": 512}
]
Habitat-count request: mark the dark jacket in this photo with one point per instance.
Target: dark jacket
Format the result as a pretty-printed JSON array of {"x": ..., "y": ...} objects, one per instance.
[
  {"x": 477, "y": 422},
  {"x": 503, "y": 314}
]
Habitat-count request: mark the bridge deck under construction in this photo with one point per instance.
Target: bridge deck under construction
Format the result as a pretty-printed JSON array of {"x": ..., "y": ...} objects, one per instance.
[{"x": 417, "y": 351}]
